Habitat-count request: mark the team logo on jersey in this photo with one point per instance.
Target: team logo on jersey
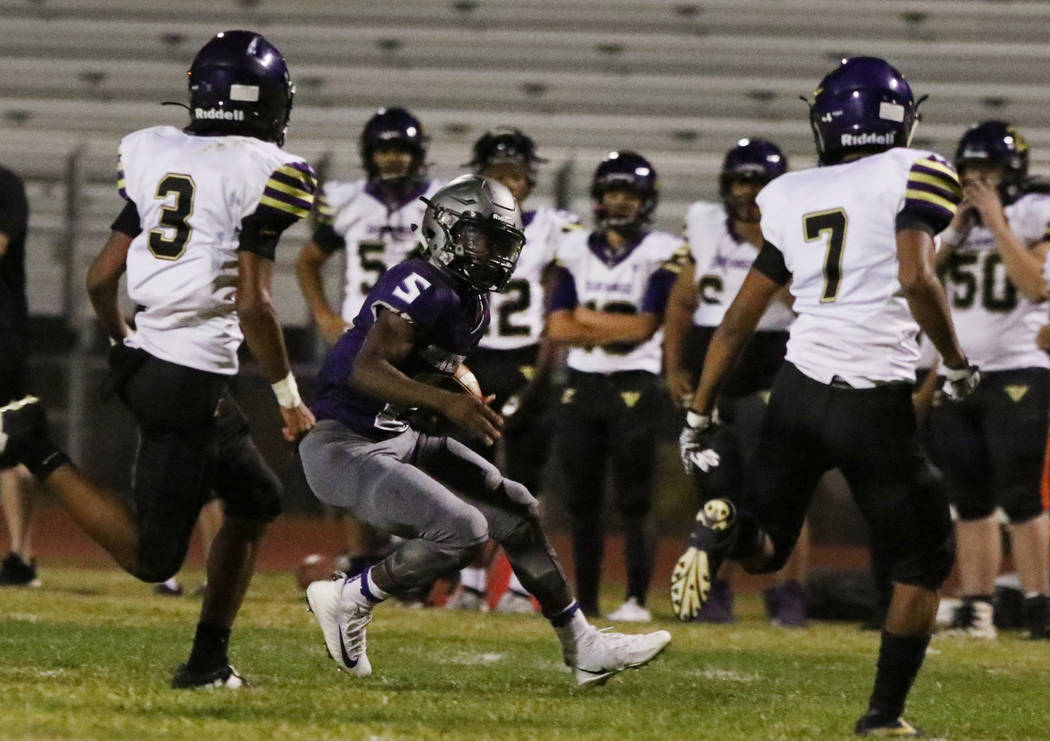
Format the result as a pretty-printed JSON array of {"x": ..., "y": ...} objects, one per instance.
[
  {"x": 567, "y": 394},
  {"x": 1016, "y": 393},
  {"x": 216, "y": 114},
  {"x": 630, "y": 398},
  {"x": 868, "y": 137},
  {"x": 528, "y": 372}
]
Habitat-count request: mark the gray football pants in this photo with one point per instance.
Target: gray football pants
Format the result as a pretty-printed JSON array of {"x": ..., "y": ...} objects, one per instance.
[{"x": 444, "y": 499}]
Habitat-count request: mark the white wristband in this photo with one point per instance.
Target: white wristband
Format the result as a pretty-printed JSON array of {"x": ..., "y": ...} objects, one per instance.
[
  {"x": 287, "y": 392},
  {"x": 695, "y": 419},
  {"x": 958, "y": 374}
]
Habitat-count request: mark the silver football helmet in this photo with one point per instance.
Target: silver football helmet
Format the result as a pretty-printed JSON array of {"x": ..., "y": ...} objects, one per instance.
[{"x": 472, "y": 230}]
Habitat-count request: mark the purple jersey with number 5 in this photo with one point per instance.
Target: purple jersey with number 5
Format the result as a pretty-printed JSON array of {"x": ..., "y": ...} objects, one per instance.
[{"x": 449, "y": 318}]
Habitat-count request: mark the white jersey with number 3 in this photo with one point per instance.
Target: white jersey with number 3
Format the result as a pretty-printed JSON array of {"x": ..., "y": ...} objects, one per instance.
[
  {"x": 517, "y": 313},
  {"x": 836, "y": 228},
  {"x": 996, "y": 324},
  {"x": 193, "y": 194}
]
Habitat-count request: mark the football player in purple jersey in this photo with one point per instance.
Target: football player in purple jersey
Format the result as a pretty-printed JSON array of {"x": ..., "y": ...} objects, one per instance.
[
  {"x": 443, "y": 499},
  {"x": 370, "y": 221},
  {"x": 514, "y": 360}
]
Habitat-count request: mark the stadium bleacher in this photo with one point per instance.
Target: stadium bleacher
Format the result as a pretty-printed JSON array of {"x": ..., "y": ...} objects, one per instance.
[{"x": 678, "y": 81}]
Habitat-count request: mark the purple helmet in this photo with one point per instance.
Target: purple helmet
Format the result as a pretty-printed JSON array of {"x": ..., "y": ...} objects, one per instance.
[
  {"x": 391, "y": 128},
  {"x": 751, "y": 160},
  {"x": 865, "y": 105},
  {"x": 999, "y": 143},
  {"x": 625, "y": 170},
  {"x": 506, "y": 145},
  {"x": 239, "y": 84}
]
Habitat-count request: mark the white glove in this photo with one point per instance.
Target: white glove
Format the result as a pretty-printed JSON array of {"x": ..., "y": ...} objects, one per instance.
[
  {"x": 694, "y": 444},
  {"x": 960, "y": 382}
]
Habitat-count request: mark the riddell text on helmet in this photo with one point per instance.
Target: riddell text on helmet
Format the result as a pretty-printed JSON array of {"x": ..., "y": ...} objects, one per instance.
[
  {"x": 214, "y": 114},
  {"x": 856, "y": 140}
]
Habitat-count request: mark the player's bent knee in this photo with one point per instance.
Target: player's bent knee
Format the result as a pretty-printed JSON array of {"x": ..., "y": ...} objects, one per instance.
[
  {"x": 928, "y": 569},
  {"x": 260, "y": 502}
]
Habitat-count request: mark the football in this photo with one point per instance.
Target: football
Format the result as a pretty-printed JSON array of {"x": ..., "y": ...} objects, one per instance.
[
  {"x": 314, "y": 567},
  {"x": 463, "y": 381},
  {"x": 469, "y": 381}
]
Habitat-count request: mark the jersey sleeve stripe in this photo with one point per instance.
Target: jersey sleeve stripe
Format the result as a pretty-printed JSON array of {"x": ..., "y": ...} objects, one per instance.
[
  {"x": 295, "y": 176},
  {"x": 291, "y": 189},
  {"x": 935, "y": 190},
  {"x": 323, "y": 209},
  {"x": 934, "y": 177},
  {"x": 912, "y": 195},
  {"x": 936, "y": 183},
  {"x": 295, "y": 190},
  {"x": 936, "y": 167},
  {"x": 121, "y": 184},
  {"x": 295, "y": 206}
]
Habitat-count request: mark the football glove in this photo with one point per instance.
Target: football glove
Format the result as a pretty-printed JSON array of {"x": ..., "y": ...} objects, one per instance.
[
  {"x": 960, "y": 383},
  {"x": 696, "y": 443},
  {"x": 124, "y": 362}
]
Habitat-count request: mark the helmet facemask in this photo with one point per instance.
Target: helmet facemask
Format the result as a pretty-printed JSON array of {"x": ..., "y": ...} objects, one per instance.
[{"x": 472, "y": 229}]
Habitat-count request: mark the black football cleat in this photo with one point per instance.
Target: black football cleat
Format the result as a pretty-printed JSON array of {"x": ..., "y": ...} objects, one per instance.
[
  {"x": 708, "y": 545},
  {"x": 878, "y": 725},
  {"x": 14, "y": 572},
  {"x": 18, "y": 419},
  {"x": 225, "y": 677},
  {"x": 1036, "y": 612}
]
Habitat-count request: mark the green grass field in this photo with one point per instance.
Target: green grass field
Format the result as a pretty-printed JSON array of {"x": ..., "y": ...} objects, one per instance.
[{"x": 90, "y": 655}]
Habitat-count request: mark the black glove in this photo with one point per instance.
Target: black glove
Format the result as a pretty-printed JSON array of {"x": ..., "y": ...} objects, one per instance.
[{"x": 123, "y": 362}]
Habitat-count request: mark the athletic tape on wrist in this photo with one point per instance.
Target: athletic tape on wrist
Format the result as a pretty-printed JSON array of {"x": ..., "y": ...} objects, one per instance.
[{"x": 287, "y": 392}]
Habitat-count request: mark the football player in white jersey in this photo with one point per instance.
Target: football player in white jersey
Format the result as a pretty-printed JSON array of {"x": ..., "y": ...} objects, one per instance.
[
  {"x": 724, "y": 239},
  {"x": 991, "y": 447},
  {"x": 855, "y": 240},
  {"x": 372, "y": 219},
  {"x": 610, "y": 291},
  {"x": 205, "y": 207}
]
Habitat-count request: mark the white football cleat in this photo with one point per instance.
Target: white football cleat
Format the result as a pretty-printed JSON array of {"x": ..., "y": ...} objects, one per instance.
[
  {"x": 599, "y": 654},
  {"x": 343, "y": 626},
  {"x": 630, "y": 612}
]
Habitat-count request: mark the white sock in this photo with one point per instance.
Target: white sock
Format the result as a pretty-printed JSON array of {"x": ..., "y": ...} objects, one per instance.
[
  {"x": 473, "y": 577},
  {"x": 570, "y": 624},
  {"x": 362, "y": 590},
  {"x": 515, "y": 585}
]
